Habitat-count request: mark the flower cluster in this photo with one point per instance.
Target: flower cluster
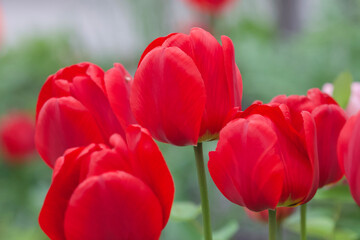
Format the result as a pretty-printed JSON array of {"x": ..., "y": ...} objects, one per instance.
[{"x": 95, "y": 129}]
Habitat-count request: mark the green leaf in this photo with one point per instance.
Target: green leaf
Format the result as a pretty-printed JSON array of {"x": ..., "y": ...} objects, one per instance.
[
  {"x": 342, "y": 88},
  {"x": 339, "y": 193},
  {"x": 185, "y": 211},
  {"x": 227, "y": 231}
]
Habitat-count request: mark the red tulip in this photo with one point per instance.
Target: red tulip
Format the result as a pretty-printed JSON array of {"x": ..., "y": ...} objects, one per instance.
[
  {"x": 17, "y": 132},
  {"x": 281, "y": 214},
  {"x": 329, "y": 119},
  {"x": 80, "y": 105},
  {"x": 211, "y": 5},
  {"x": 349, "y": 154},
  {"x": 97, "y": 192},
  {"x": 184, "y": 86},
  {"x": 264, "y": 160}
]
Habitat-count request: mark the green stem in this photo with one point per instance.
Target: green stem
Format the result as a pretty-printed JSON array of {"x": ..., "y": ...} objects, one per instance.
[
  {"x": 272, "y": 224},
  {"x": 279, "y": 230},
  {"x": 303, "y": 221},
  {"x": 199, "y": 157}
]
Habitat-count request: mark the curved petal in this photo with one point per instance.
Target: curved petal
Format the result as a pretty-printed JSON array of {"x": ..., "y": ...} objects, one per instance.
[
  {"x": 64, "y": 123},
  {"x": 296, "y": 105},
  {"x": 233, "y": 75},
  {"x": 114, "y": 205},
  {"x": 309, "y": 131},
  {"x": 149, "y": 165},
  {"x": 65, "y": 179},
  {"x": 118, "y": 84},
  {"x": 349, "y": 154},
  {"x": 168, "y": 96},
  {"x": 209, "y": 59},
  {"x": 294, "y": 149},
  {"x": 245, "y": 166},
  {"x": 319, "y": 98},
  {"x": 84, "y": 69},
  {"x": 105, "y": 161},
  {"x": 91, "y": 96},
  {"x": 329, "y": 120},
  {"x": 58, "y": 85},
  {"x": 156, "y": 43}
]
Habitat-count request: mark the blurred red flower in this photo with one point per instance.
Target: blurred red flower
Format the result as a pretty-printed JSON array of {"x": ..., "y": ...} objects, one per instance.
[
  {"x": 79, "y": 105},
  {"x": 184, "y": 87},
  {"x": 329, "y": 119},
  {"x": 281, "y": 214},
  {"x": 349, "y": 154},
  {"x": 265, "y": 159},
  {"x": 97, "y": 192},
  {"x": 211, "y": 5},
  {"x": 17, "y": 131}
]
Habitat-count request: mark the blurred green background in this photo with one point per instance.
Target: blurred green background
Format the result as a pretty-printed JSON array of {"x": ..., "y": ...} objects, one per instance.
[{"x": 279, "y": 50}]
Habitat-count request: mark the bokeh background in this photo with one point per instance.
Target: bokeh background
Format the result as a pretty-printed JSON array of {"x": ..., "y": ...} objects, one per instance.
[{"x": 282, "y": 47}]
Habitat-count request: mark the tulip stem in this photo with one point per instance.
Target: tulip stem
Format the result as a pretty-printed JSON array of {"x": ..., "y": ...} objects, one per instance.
[
  {"x": 279, "y": 230},
  {"x": 272, "y": 224},
  {"x": 199, "y": 157},
  {"x": 303, "y": 221}
]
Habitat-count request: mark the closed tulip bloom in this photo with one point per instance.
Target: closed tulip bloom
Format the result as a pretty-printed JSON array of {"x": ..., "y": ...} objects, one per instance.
[
  {"x": 79, "y": 105},
  {"x": 264, "y": 160},
  {"x": 281, "y": 214},
  {"x": 17, "y": 132},
  {"x": 349, "y": 154},
  {"x": 97, "y": 192},
  {"x": 184, "y": 87},
  {"x": 211, "y": 5},
  {"x": 329, "y": 119}
]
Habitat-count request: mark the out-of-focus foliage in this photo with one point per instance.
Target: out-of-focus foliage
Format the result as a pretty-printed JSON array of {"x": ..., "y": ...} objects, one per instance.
[
  {"x": 271, "y": 65},
  {"x": 23, "y": 70},
  {"x": 25, "y": 67}
]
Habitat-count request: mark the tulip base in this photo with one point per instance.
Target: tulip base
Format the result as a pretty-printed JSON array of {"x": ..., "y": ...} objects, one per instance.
[
  {"x": 199, "y": 157},
  {"x": 272, "y": 224}
]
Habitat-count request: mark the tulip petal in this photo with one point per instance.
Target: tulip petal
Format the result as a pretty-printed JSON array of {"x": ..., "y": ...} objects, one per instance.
[
  {"x": 233, "y": 75},
  {"x": 58, "y": 85},
  {"x": 312, "y": 151},
  {"x": 149, "y": 165},
  {"x": 118, "y": 84},
  {"x": 349, "y": 154},
  {"x": 294, "y": 152},
  {"x": 64, "y": 123},
  {"x": 156, "y": 43},
  {"x": 319, "y": 98},
  {"x": 329, "y": 120},
  {"x": 253, "y": 171},
  {"x": 91, "y": 96},
  {"x": 209, "y": 59},
  {"x": 105, "y": 161},
  {"x": 168, "y": 96},
  {"x": 114, "y": 205},
  {"x": 65, "y": 179}
]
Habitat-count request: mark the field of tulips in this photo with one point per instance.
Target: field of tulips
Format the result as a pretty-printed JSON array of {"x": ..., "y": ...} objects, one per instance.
[{"x": 217, "y": 120}]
